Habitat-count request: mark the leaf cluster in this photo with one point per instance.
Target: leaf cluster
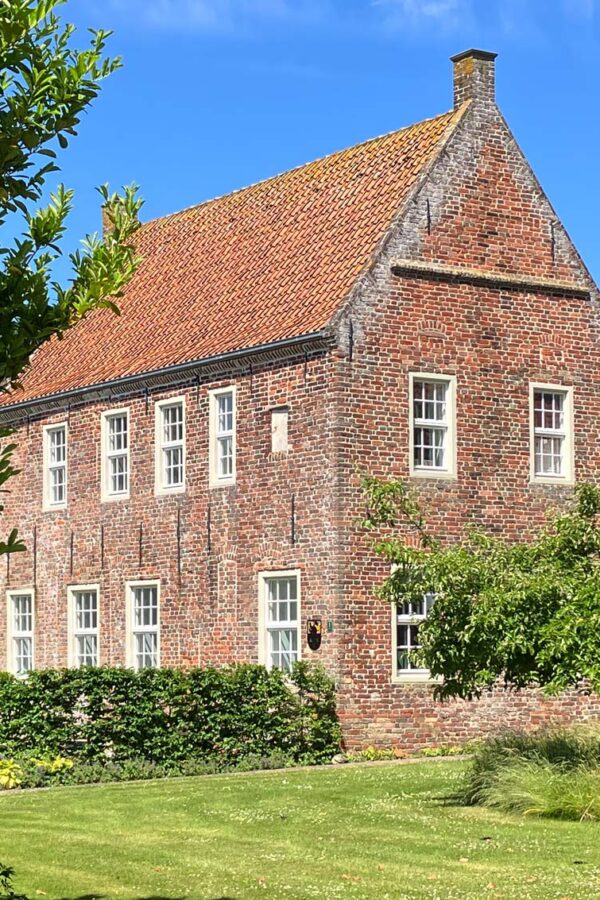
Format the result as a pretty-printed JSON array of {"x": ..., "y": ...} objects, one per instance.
[{"x": 522, "y": 613}]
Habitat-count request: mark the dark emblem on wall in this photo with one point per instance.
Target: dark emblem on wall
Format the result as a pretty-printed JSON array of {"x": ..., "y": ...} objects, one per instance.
[{"x": 314, "y": 633}]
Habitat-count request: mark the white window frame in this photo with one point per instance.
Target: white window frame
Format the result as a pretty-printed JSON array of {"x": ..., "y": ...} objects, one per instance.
[
  {"x": 450, "y": 470},
  {"x": 130, "y": 653},
  {"x": 567, "y": 476},
  {"x": 263, "y": 623},
  {"x": 215, "y": 480},
  {"x": 10, "y": 632},
  {"x": 47, "y": 502},
  {"x": 407, "y": 676},
  {"x": 107, "y": 495},
  {"x": 72, "y": 630},
  {"x": 160, "y": 486},
  {"x": 280, "y": 421}
]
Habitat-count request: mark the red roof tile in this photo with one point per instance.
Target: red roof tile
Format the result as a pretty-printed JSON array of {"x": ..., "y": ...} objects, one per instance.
[{"x": 269, "y": 262}]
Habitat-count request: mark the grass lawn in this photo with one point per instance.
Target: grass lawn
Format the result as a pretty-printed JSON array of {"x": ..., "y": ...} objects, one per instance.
[{"x": 361, "y": 832}]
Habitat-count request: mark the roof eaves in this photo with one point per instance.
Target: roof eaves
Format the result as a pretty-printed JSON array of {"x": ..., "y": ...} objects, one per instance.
[{"x": 166, "y": 375}]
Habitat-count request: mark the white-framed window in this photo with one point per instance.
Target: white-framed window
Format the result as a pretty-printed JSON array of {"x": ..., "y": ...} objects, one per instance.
[
  {"x": 143, "y": 624},
  {"x": 20, "y": 631},
  {"x": 279, "y": 429},
  {"x": 551, "y": 438},
  {"x": 279, "y": 611},
  {"x": 432, "y": 425},
  {"x": 406, "y": 621},
  {"x": 170, "y": 445},
  {"x": 55, "y": 466},
  {"x": 84, "y": 625},
  {"x": 115, "y": 454},
  {"x": 222, "y": 436}
]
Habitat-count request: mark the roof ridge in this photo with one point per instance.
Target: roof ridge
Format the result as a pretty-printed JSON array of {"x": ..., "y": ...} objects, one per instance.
[{"x": 449, "y": 113}]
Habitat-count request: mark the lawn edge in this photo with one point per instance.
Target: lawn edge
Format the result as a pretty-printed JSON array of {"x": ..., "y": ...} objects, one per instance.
[{"x": 359, "y": 764}]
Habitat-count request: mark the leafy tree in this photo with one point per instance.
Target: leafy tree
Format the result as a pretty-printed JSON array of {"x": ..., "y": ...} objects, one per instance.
[
  {"x": 522, "y": 613},
  {"x": 45, "y": 86}
]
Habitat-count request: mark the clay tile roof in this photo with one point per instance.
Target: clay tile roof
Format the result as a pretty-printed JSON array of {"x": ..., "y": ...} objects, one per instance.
[{"x": 266, "y": 263}]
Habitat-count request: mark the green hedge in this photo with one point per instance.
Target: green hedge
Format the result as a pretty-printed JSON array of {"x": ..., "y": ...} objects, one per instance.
[{"x": 166, "y": 716}]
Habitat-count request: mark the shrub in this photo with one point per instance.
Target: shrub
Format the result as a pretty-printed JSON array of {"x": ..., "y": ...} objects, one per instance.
[
  {"x": 550, "y": 772},
  {"x": 165, "y": 717}
]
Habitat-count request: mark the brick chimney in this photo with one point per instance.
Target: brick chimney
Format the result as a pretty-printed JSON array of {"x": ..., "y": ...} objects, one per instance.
[{"x": 474, "y": 76}]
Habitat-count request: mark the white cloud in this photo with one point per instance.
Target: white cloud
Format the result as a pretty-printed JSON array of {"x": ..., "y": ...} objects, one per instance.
[
  {"x": 582, "y": 9},
  {"x": 443, "y": 13},
  {"x": 213, "y": 15}
]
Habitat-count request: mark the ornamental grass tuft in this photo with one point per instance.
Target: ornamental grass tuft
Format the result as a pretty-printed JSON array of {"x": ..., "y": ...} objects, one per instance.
[{"x": 552, "y": 773}]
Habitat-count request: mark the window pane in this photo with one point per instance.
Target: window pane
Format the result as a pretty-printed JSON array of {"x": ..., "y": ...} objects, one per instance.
[
  {"x": 172, "y": 423},
  {"x": 22, "y": 613},
  {"x": 145, "y": 606},
  {"x": 23, "y": 655},
  {"x": 173, "y": 458},
  {"x": 225, "y": 449},
  {"x": 58, "y": 445},
  {"x": 224, "y": 413},
  {"x": 146, "y": 650},
  {"x": 117, "y": 433},
  {"x": 86, "y": 650},
  {"x": 409, "y": 616},
  {"x": 429, "y": 401}
]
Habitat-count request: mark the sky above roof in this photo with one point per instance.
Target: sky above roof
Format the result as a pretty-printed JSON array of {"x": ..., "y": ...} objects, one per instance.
[{"x": 218, "y": 94}]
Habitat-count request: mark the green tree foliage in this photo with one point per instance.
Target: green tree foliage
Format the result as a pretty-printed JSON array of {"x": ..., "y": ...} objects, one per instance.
[
  {"x": 524, "y": 613},
  {"x": 45, "y": 86}
]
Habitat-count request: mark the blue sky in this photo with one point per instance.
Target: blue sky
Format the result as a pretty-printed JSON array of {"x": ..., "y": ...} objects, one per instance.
[{"x": 217, "y": 94}]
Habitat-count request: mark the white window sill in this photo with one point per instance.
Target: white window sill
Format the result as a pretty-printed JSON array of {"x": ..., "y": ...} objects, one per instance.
[
  {"x": 114, "y": 498},
  {"x": 434, "y": 473},
  {"x": 166, "y": 492},
  {"x": 225, "y": 482},
  {"x": 558, "y": 480},
  {"x": 55, "y": 507},
  {"x": 415, "y": 678}
]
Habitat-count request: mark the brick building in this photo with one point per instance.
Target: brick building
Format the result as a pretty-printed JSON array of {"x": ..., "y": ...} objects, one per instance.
[{"x": 191, "y": 469}]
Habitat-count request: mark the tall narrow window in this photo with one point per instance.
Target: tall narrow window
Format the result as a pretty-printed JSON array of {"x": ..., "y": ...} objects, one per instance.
[
  {"x": 144, "y": 625},
  {"x": 170, "y": 446},
  {"x": 279, "y": 429},
  {"x": 281, "y": 623},
  {"x": 432, "y": 425},
  {"x": 55, "y": 466},
  {"x": 408, "y": 619},
  {"x": 84, "y": 612},
  {"x": 115, "y": 428},
  {"x": 222, "y": 437},
  {"x": 20, "y": 631},
  {"x": 551, "y": 417}
]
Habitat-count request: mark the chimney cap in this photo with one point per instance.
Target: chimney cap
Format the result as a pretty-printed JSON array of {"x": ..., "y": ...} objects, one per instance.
[{"x": 474, "y": 54}]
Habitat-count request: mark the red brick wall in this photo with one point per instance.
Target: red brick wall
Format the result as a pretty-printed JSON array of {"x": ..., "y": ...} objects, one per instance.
[
  {"x": 486, "y": 212},
  {"x": 210, "y": 613}
]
